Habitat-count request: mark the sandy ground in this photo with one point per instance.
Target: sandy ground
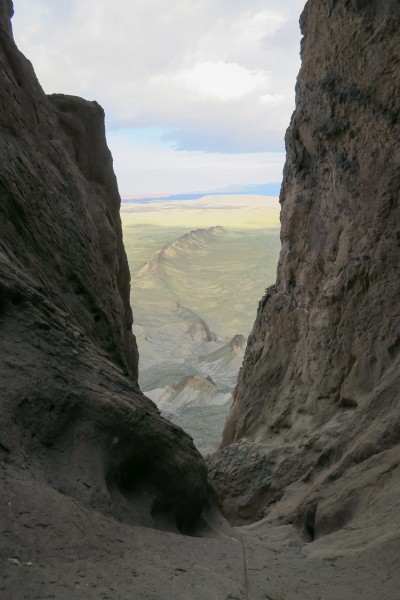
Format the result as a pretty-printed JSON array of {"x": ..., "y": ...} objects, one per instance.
[
  {"x": 55, "y": 548},
  {"x": 247, "y": 211}
]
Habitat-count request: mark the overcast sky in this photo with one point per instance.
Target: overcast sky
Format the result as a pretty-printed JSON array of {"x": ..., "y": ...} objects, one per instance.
[{"x": 197, "y": 93}]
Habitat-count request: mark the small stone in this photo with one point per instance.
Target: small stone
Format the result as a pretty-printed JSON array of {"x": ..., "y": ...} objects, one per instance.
[{"x": 14, "y": 561}]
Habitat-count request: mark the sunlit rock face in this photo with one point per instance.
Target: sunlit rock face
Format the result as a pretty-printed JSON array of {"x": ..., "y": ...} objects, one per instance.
[
  {"x": 321, "y": 372},
  {"x": 73, "y": 420}
]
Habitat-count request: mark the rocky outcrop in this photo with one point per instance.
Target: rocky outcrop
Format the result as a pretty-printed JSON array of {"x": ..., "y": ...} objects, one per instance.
[
  {"x": 192, "y": 390},
  {"x": 193, "y": 242},
  {"x": 73, "y": 420},
  {"x": 316, "y": 408}
]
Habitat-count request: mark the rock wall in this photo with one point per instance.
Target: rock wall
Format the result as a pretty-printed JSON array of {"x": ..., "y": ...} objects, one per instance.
[
  {"x": 318, "y": 393},
  {"x": 73, "y": 420}
]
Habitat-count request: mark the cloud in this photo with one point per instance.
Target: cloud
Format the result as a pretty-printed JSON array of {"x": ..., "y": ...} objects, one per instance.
[
  {"x": 145, "y": 166},
  {"x": 218, "y": 75},
  {"x": 218, "y": 80}
]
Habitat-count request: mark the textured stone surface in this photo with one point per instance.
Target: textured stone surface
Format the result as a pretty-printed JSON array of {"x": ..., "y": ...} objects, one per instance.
[
  {"x": 72, "y": 416},
  {"x": 85, "y": 458},
  {"x": 321, "y": 374}
]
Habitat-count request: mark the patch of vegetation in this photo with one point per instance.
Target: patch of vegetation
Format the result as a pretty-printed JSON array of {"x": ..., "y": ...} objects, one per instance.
[{"x": 270, "y": 289}]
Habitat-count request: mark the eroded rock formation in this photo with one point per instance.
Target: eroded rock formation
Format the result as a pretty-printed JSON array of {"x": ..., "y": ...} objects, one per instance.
[
  {"x": 316, "y": 415},
  {"x": 312, "y": 442},
  {"x": 73, "y": 421}
]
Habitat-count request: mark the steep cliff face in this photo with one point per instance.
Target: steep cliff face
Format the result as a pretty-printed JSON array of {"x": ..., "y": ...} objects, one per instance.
[
  {"x": 318, "y": 394},
  {"x": 72, "y": 420},
  {"x": 312, "y": 442}
]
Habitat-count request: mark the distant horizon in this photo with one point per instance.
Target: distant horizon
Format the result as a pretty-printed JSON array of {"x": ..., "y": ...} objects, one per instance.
[
  {"x": 234, "y": 211},
  {"x": 271, "y": 188}
]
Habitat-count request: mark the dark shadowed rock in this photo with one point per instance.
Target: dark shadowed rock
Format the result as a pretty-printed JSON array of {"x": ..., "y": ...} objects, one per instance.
[
  {"x": 321, "y": 374},
  {"x": 73, "y": 420},
  {"x": 313, "y": 437}
]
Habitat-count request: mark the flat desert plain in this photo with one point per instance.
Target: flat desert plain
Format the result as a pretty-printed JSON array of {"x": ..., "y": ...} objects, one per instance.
[{"x": 199, "y": 268}]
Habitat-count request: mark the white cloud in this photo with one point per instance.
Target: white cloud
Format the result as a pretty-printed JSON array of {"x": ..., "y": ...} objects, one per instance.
[
  {"x": 218, "y": 80},
  {"x": 148, "y": 62},
  {"x": 219, "y": 76}
]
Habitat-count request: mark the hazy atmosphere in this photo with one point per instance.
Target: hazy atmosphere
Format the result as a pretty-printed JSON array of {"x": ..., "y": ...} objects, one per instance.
[
  {"x": 197, "y": 94},
  {"x": 199, "y": 268}
]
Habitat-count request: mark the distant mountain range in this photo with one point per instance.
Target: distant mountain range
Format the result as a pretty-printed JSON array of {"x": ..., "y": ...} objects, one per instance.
[{"x": 263, "y": 189}]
